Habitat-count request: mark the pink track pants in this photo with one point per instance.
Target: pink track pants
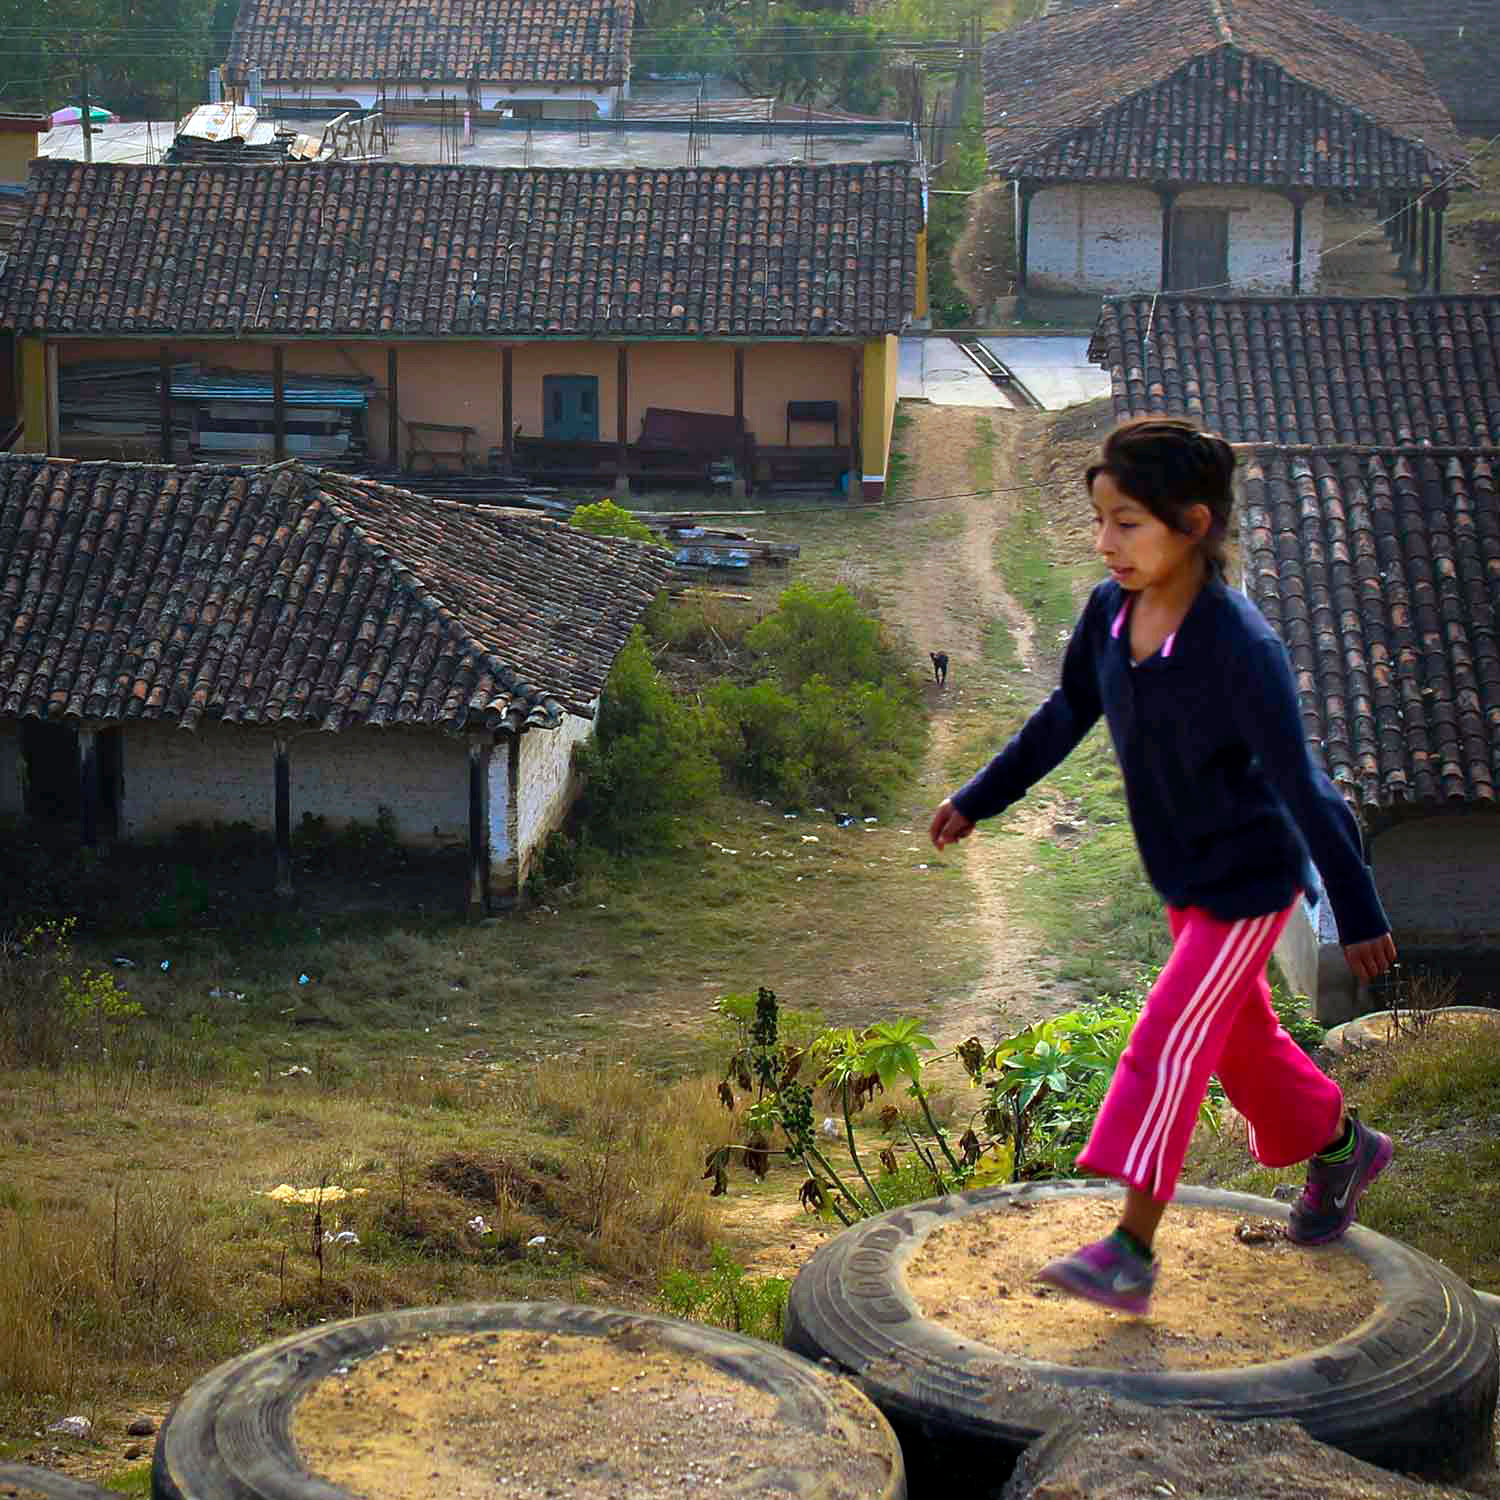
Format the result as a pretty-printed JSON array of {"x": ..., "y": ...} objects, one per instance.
[{"x": 1210, "y": 1012}]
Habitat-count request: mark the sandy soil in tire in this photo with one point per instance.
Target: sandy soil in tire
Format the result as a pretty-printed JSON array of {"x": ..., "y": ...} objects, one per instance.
[
  {"x": 974, "y": 1277},
  {"x": 522, "y": 1414}
]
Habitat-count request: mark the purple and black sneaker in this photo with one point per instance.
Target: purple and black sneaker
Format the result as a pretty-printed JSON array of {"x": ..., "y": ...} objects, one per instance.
[
  {"x": 1106, "y": 1272},
  {"x": 1332, "y": 1192}
]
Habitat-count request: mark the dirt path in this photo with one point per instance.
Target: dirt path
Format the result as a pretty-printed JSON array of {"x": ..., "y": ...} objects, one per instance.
[{"x": 951, "y": 593}]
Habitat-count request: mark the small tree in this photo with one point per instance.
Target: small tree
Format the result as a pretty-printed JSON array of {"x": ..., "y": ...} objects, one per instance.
[{"x": 605, "y": 518}]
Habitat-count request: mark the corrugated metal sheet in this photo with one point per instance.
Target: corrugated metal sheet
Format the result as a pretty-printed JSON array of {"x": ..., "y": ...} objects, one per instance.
[{"x": 299, "y": 390}]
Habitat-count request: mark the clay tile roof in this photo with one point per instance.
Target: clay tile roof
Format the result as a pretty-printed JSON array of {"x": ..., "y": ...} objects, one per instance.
[
  {"x": 1268, "y": 92},
  {"x": 488, "y": 41},
  {"x": 1383, "y": 371},
  {"x": 1381, "y": 572},
  {"x": 288, "y": 596},
  {"x": 313, "y": 249}
]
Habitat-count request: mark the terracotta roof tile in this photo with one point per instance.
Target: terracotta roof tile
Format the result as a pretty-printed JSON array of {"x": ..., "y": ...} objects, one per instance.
[
  {"x": 289, "y": 596},
  {"x": 1384, "y": 371},
  {"x": 1212, "y": 91},
  {"x": 327, "y": 248},
  {"x": 1382, "y": 574},
  {"x": 491, "y": 41}
]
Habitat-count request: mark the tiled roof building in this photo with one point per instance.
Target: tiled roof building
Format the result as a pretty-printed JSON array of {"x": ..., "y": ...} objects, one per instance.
[
  {"x": 1212, "y": 91},
  {"x": 490, "y": 41},
  {"x": 1385, "y": 371},
  {"x": 438, "y": 250},
  {"x": 290, "y": 598},
  {"x": 1381, "y": 571}
]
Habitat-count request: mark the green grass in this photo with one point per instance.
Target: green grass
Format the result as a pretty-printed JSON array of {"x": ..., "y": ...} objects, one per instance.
[{"x": 1043, "y": 584}]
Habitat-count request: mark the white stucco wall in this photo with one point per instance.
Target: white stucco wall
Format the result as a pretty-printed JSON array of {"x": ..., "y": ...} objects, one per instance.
[
  {"x": 11, "y": 790},
  {"x": 501, "y": 852},
  {"x": 546, "y": 783},
  {"x": 1107, "y": 238},
  {"x": 224, "y": 774}
]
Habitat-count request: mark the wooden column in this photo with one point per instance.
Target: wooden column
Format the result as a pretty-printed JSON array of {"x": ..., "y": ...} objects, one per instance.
[
  {"x": 1437, "y": 247},
  {"x": 622, "y": 419},
  {"x": 278, "y": 403},
  {"x": 165, "y": 381},
  {"x": 54, "y": 416},
  {"x": 88, "y": 786},
  {"x": 507, "y": 410},
  {"x": 479, "y": 825},
  {"x": 746, "y": 479},
  {"x": 392, "y": 408},
  {"x": 283, "y": 793},
  {"x": 856, "y": 457},
  {"x": 1426, "y": 246},
  {"x": 1296, "y": 244},
  {"x": 1168, "y": 198}
]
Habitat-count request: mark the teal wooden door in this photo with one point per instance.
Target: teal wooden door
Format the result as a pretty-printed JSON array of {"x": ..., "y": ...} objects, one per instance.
[{"x": 570, "y": 407}]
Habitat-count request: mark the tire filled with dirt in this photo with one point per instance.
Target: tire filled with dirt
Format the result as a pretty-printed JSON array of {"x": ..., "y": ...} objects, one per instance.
[
  {"x": 528, "y": 1399},
  {"x": 26, "y": 1482},
  {"x": 932, "y": 1308}
]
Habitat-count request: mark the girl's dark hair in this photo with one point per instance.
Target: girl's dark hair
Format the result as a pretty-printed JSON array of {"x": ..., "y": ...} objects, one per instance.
[{"x": 1169, "y": 465}]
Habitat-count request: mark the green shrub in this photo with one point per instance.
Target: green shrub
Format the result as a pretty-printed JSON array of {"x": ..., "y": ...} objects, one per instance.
[
  {"x": 727, "y": 1298},
  {"x": 605, "y": 518},
  {"x": 647, "y": 761},
  {"x": 825, "y": 633}
]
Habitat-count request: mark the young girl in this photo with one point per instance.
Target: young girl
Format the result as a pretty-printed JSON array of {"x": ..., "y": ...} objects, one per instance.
[{"x": 1226, "y": 805}]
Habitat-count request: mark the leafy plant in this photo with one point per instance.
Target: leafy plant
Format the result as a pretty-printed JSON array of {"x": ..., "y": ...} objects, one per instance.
[
  {"x": 728, "y": 1298},
  {"x": 605, "y": 518}
]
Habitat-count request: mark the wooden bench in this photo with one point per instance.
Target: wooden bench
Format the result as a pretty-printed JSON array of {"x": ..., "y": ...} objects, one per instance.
[{"x": 433, "y": 454}]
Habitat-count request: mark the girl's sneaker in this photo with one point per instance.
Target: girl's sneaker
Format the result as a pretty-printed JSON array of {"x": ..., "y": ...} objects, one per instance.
[
  {"x": 1332, "y": 1193},
  {"x": 1106, "y": 1272}
]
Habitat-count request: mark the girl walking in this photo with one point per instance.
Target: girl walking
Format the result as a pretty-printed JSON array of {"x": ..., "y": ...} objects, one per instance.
[{"x": 1227, "y": 807}]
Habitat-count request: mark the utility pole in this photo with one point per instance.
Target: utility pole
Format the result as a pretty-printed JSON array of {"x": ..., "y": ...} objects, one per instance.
[{"x": 88, "y": 130}]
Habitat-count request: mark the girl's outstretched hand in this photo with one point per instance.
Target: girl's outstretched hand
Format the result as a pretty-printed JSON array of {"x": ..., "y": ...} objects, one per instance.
[
  {"x": 948, "y": 825},
  {"x": 1370, "y": 960}
]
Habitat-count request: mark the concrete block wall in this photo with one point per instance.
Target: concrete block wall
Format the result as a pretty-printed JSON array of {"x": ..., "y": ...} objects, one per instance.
[
  {"x": 225, "y": 774},
  {"x": 1437, "y": 879}
]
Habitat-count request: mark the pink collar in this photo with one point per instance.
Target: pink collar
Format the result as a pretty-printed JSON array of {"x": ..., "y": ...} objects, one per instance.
[{"x": 1124, "y": 614}]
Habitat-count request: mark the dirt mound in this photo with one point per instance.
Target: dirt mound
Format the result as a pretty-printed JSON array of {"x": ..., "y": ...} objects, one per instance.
[
  {"x": 490, "y": 1180},
  {"x": 1118, "y": 1450}
]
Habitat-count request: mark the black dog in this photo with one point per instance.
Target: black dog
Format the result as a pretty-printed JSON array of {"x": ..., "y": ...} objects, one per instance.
[{"x": 939, "y": 666}]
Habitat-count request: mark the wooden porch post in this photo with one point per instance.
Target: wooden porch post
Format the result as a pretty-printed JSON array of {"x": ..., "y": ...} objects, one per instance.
[
  {"x": 278, "y": 403},
  {"x": 622, "y": 419},
  {"x": 1439, "y": 204},
  {"x": 1168, "y": 198},
  {"x": 1297, "y": 244},
  {"x": 856, "y": 459},
  {"x": 88, "y": 785},
  {"x": 507, "y": 410},
  {"x": 54, "y": 416},
  {"x": 392, "y": 408},
  {"x": 283, "y": 784},
  {"x": 479, "y": 825},
  {"x": 165, "y": 381},
  {"x": 742, "y": 457}
]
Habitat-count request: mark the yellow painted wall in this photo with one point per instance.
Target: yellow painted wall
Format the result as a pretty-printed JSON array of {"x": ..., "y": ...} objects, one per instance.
[
  {"x": 17, "y": 148},
  {"x": 882, "y": 361},
  {"x": 461, "y": 382},
  {"x": 32, "y": 370},
  {"x": 919, "y": 308}
]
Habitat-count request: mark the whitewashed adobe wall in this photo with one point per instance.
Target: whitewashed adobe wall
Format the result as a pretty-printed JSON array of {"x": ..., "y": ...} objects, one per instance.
[
  {"x": 547, "y": 788},
  {"x": 1107, "y": 239},
  {"x": 1094, "y": 239},
  {"x": 223, "y": 773},
  {"x": 11, "y": 790}
]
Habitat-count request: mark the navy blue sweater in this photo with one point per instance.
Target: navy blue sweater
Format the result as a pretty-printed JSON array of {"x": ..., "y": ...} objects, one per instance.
[{"x": 1225, "y": 799}]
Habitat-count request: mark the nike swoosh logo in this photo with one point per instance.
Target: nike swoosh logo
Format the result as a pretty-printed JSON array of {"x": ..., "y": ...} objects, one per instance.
[
  {"x": 1341, "y": 1199},
  {"x": 1125, "y": 1283}
]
